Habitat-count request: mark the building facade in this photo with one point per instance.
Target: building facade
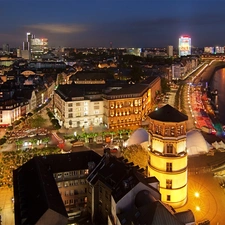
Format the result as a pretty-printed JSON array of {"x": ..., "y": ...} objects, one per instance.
[
  {"x": 170, "y": 50},
  {"x": 73, "y": 109},
  {"x": 129, "y": 107},
  {"x": 168, "y": 154},
  {"x": 184, "y": 45}
]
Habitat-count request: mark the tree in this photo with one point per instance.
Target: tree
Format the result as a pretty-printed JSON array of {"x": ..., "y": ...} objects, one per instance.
[
  {"x": 46, "y": 140},
  {"x": 136, "y": 154},
  {"x": 37, "y": 121},
  {"x": 19, "y": 142},
  {"x": 164, "y": 85},
  {"x": 136, "y": 74}
]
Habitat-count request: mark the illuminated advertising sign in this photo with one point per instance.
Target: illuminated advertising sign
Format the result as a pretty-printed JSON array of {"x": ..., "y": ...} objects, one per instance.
[{"x": 184, "y": 45}]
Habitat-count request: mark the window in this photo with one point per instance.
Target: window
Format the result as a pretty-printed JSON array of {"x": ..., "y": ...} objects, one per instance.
[
  {"x": 78, "y": 114},
  {"x": 77, "y": 104},
  {"x": 168, "y": 167},
  {"x": 66, "y": 184},
  {"x": 66, "y": 202},
  {"x": 70, "y": 105},
  {"x": 70, "y": 115},
  {"x": 169, "y": 148},
  {"x": 82, "y": 181},
  {"x": 66, "y": 174},
  {"x": 172, "y": 130},
  {"x": 168, "y": 198},
  {"x": 168, "y": 184}
]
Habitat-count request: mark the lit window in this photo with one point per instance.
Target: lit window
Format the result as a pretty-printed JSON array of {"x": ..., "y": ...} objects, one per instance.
[
  {"x": 168, "y": 184},
  {"x": 168, "y": 167}
]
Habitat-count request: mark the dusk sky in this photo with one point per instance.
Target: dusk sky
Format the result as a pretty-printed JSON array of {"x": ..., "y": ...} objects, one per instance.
[{"x": 125, "y": 23}]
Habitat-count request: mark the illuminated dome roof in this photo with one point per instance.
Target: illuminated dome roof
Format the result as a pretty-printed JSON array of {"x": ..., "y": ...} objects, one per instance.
[
  {"x": 138, "y": 137},
  {"x": 196, "y": 143}
]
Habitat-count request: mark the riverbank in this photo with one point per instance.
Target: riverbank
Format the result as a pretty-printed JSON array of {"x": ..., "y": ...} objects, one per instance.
[{"x": 205, "y": 78}]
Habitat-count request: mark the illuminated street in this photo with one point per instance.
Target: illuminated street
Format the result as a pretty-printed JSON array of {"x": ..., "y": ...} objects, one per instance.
[{"x": 205, "y": 196}]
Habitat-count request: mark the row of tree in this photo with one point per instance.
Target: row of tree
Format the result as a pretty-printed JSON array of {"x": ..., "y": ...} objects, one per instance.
[{"x": 11, "y": 160}]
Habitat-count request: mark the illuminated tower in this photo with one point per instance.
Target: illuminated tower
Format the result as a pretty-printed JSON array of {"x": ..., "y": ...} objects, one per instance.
[
  {"x": 168, "y": 155},
  {"x": 184, "y": 46}
]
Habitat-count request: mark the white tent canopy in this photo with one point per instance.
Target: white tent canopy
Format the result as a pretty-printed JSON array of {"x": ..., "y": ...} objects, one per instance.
[{"x": 218, "y": 145}]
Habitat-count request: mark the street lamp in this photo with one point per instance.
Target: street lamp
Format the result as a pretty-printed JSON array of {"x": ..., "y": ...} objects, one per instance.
[
  {"x": 197, "y": 194},
  {"x": 197, "y": 208}
]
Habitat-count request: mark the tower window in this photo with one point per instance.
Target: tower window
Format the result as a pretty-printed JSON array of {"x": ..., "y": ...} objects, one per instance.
[
  {"x": 169, "y": 148},
  {"x": 168, "y": 184},
  {"x": 168, "y": 198},
  {"x": 168, "y": 167}
]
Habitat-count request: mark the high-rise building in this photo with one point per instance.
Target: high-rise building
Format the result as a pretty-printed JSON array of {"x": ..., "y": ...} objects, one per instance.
[
  {"x": 38, "y": 46},
  {"x": 35, "y": 46},
  {"x": 184, "y": 45},
  {"x": 219, "y": 49},
  {"x": 5, "y": 48},
  {"x": 170, "y": 50}
]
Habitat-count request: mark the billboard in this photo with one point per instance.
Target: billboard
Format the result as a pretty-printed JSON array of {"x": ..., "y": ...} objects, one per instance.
[{"x": 184, "y": 46}]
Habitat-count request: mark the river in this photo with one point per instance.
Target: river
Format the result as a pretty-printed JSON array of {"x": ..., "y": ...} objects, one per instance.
[{"x": 218, "y": 82}]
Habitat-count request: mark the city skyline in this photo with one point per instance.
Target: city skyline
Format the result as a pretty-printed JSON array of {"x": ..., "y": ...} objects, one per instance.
[{"x": 124, "y": 23}]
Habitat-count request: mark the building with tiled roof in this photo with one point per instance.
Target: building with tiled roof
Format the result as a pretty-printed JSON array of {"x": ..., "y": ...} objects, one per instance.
[
  {"x": 53, "y": 188},
  {"x": 129, "y": 105},
  {"x": 117, "y": 105},
  {"x": 120, "y": 193},
  {"x": 58, "y": 189}
]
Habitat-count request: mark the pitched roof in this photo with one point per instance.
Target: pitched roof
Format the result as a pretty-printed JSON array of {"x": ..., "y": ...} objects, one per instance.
[
  {"x": 168, "y": 114},
  {"x": 35, "y": 192},
  {"x": 35, "y": 188}
]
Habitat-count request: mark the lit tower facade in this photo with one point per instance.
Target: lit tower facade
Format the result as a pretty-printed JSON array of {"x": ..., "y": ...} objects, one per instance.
[
  {"x": 168, "y": 154},
  {"x": 184, "y": 45}
]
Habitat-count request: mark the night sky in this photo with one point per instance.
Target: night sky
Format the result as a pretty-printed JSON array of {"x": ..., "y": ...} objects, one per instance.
[{"x": 125, "y": 23}]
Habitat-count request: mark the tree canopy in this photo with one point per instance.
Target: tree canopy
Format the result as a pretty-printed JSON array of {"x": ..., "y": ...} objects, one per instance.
[{"x": 136, "y": 154}]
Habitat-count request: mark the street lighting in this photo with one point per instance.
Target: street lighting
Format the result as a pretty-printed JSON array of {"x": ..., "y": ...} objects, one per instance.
[
  {"x": 197, "y": 194},
  {"x": 197, "y": 208}
]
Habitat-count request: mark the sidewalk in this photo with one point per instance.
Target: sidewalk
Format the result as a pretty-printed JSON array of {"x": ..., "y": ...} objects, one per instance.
[{"x": 6, "y": 205}]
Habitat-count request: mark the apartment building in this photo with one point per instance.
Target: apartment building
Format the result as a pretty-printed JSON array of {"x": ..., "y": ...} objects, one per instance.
[{"x": 53, "y": 188}]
